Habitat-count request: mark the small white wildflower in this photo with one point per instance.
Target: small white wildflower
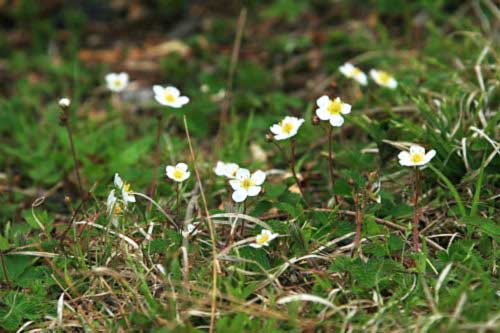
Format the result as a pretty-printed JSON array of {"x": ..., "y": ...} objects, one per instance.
[
  {"x": 332, "y": 110},
  {"x": 416, "y": 156},
  {"x": 353, "y": 72},
  {"x": 169, "y": 96},
  {"x": 190, "y": 230},
  {"x": 178, "y": 173},
  {"x": 117, "y": 82},
  {"x": 64, "y": 102},
  {"x": 127, "y": 193},
  {"x": 264, "y": 238},
  {"x": 383, "y": 79},
  {"x": 228, "y": 170},
  {"x": 114, "y": 207},
  {"x": 286, "y": 128},
  {"x": 246, "y": 184}
]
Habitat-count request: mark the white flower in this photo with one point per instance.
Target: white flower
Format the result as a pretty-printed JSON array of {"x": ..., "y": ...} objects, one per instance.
[
  {"x": 264, "y": 238},
  {"x": 64, "y": 102},
  {"x": 286, "y": 128},
  {"x": 416, "y": 156},
  {"x": 189, "y": 230},
  {"x": 353, "y": 72},
  {"x": 332, "y": 110},
  {"x": 228, "y": 170},
  {"x": 246, "y": 185},
  {"x": 179, "y": 173},
  {"x": 169, "y": 96},
  {"x": 383, "y": 79},
  {"x": 127, "y": 193},
  {"x": 117, "y": 82},
  {"x": 114, "y": 207}
]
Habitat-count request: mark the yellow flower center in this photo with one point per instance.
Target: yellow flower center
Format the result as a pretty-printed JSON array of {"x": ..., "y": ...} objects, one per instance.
[
  {"x": 262, "y": 238},
  {"x": 246, "y": 183},
  {"x": 334, "y": 107},
  {"x": 117, "y": 83},
  {"x": 417, "y": 157},
  {"x": 356, "y": 71},
  {"x": 384, "y": 77},
  {"x": 178, "y": 174},
  {"x": 287, "y": 127},
  {"x": 126, "y": 188},
  {"x": 169, "y": 98}
]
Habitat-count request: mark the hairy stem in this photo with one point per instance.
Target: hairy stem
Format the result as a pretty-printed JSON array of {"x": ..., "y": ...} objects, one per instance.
[
  {"x": 330, "y": 155},
  {"x": 416, "y": 188},
  {"x": 177, "y": 190},
  {"x": 156, "y": 160},
  {"x": 75, "y": 159},
  {"x": 292, "y": 168}
]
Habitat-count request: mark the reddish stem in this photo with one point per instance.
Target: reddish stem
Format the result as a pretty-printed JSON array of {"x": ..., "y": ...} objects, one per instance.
[
  {"x": 415, "y": 210},
  {"x": 156, "y": 159}
]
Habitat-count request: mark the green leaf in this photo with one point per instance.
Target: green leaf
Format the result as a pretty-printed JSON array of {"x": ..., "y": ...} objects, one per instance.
[{"x": 488, "y": 226}]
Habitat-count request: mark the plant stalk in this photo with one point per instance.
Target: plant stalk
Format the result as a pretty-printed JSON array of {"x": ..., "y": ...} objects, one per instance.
[
  {"x": 156, "y": 160},
  {"x": 292, "y": 168},
  {"x": 415, "y": 210}
]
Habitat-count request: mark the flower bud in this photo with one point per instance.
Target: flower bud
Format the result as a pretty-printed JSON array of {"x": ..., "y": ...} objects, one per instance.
[
  {"x": 64, "y": 102},
  {"x": 269, "y": 137},
  {"x": 315, "y": 120}
]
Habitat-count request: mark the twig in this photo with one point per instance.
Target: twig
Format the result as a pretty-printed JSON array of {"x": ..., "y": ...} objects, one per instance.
[{"x": 215, "y": 262}]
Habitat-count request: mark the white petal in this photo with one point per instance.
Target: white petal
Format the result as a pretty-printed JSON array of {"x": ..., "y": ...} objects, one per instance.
[
  {"x": 392, "y": 84},
  {"x": 255, "y": 245},
  {"x": 417, "y": 149},
  {"x": 186, "y": 176},
  {"x": 235, "y": 184},
  {"x": 173, "y": 91},
  {"x": 158, "y": 90},
  {"x": 374, "y": 74},
  {"x": 242, "y": 174},
  {"x": 346, "y": 108},
  {"x": 131, "y": 197},
  {"x": 253, "y": 191},
  {"x": 283, "y": 136},
  {"x": 169, "y": 170},
  {"x": 404, "y": 155},
  {"x": 429, "y": 155},
  {"x": 220, "y": 169},
  {"x": 362, "y": 79},
  {"x": 110, "y": 77},
  {"x": 183, "y": 100},
  {"x": 161, "y": 100},
  {"x": 276, "y": 129},
  {"x": 336, "y": 120},
  {"x": 323, "y": 101},
  {"x": 239, "y": 195},
  {"x": 258, "y": 177},
  {"x": 182, "y": 166},
  {"x": 323, "y": 114},
  {"x": 118, "y": 181},
  {"x": 123, "y": 77},
  {"x": 346, "y": 69}
]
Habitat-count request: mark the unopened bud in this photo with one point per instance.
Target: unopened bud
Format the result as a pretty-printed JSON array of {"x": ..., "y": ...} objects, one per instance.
[
  {"x": 269, "y": 137},
  {"x": 351, "y": 181},
  {"x": 315, "y": 120},
  {"x": 64, "y": 103}
]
